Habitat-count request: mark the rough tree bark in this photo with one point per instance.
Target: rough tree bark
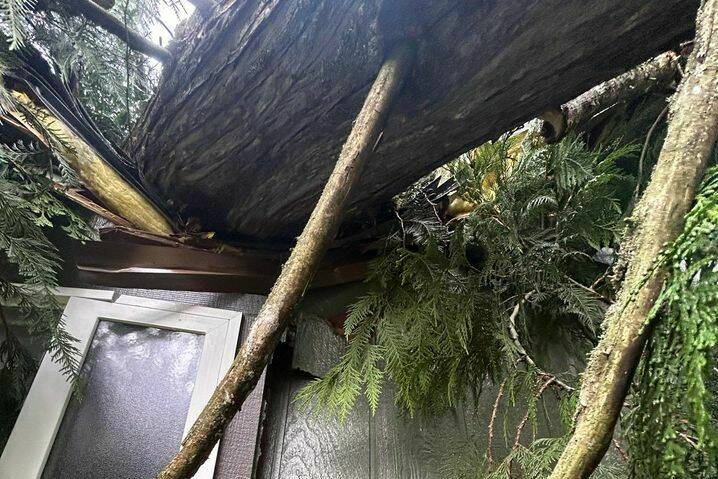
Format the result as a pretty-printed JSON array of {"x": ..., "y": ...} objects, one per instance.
[
  {"x": 660, "y": 70},
  {"x": 95, "y": 12},
  {"x": 296, "y": 272},
  {"x": 658, "y": 219},
  {"x": 261, "y": 94}
]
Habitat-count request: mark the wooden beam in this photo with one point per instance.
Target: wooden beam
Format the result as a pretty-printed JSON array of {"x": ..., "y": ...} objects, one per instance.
[
  {"x": 296, "y": 273},
  {"x": 119, "y": 263}
]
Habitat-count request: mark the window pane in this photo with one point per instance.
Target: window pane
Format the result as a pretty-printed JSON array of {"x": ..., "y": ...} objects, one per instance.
[{"x": 129, "y": 423}]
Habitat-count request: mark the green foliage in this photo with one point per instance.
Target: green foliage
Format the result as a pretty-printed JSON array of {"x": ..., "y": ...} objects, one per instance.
[
  {"x": 112, "y": 82},
  {"x": 29, "y": 206},
  {"x": 674, "y": 426},
  {"x": 436, "y": 320},
  {"x": 13, "y": 15}
]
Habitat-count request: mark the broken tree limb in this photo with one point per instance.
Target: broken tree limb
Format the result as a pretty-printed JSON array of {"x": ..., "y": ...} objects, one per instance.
[
  {"x": 658, "y": 71},
  {"x": 99, "y": 177},
  {"x": 296, "y": 273},
  {"x": 657, "y": 220},
  {"x": 96, "y": 14}
]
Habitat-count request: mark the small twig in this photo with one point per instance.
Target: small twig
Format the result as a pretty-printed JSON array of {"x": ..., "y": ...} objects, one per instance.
[
  {"x": 523, "y": 355},
  {"x": 522, "y": 424},
  {"x": 600, "y": 279},
  {"x": 624, "y": 454},
  {"x": 403, "y": 230},
  {"x": 690, "y": 440},
  {"x": 646, "y": 143},
  {"x": 494, "y": 412},
  {"x": 164, "y": 25},
  {"x": 589, "y": 289},
  {"x": 433, "y": 206}
]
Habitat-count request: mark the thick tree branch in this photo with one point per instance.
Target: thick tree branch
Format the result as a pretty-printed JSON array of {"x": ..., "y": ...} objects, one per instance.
[
  {"x": 97, "y": 15},
  {"x": 576, "y": 113},
  {"x": 296, "y": 273},
  {"x": 658, "y": 220}
]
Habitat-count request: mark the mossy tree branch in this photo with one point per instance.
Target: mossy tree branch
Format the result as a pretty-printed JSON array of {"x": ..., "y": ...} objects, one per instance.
[
  {"x": 657, "y": 71},
  {"x": 657, "y": 220},
  {"x": 296, "y": 273}
]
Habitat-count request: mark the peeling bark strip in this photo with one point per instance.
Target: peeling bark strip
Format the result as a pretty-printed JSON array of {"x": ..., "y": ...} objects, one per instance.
[
  {"x": 637, "y": 81},
  {"x": 658, "y": 219},
  {"x": 296, "y": 273},
  {"x": 94, "y": 11}
]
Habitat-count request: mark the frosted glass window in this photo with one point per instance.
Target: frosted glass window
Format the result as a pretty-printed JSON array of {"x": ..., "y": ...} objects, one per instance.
[
  {"x": 138, "y": 387},
  {"x": 149, "y": 368}
]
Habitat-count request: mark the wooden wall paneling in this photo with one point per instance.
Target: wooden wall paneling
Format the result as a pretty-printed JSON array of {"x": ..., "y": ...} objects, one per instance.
[{"x": 316, "y": 447}]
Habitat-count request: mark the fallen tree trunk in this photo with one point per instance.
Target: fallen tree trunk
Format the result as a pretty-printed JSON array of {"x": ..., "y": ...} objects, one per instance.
[
  {"x": 658, "y": 71},
  {"x": 296, "y": 273},
  {"x": 261, "y": 94},
  {"x": 658, "y": 220}
]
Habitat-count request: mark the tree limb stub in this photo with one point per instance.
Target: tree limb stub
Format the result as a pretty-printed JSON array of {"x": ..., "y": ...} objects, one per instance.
[
  {"x": 106, "y": 4},
  {"x": 576, "y": 113},
  {"x": 658, "y": 220},
  {"x": 204, "y": 7},
  {"x": 296, "y": 273},
  {"x": 95, "y": 13}
]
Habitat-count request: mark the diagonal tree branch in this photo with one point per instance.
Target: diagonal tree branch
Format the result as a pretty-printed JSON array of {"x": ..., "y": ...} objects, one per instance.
[
  {"x": 97, "y": 15},
  {"x": 296, "y": 273},
  {"x": 656, "y": 72},
  {"x": 658, "y": 220}
]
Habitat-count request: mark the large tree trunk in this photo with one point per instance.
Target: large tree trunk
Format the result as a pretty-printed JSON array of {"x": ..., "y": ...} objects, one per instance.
[
  {"x": 658, "y": 220},
  {"x": 260, "y": 94}
]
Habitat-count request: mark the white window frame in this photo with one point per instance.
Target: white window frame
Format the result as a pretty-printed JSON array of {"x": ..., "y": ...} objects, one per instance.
[{"x": 34, "y": 433}]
